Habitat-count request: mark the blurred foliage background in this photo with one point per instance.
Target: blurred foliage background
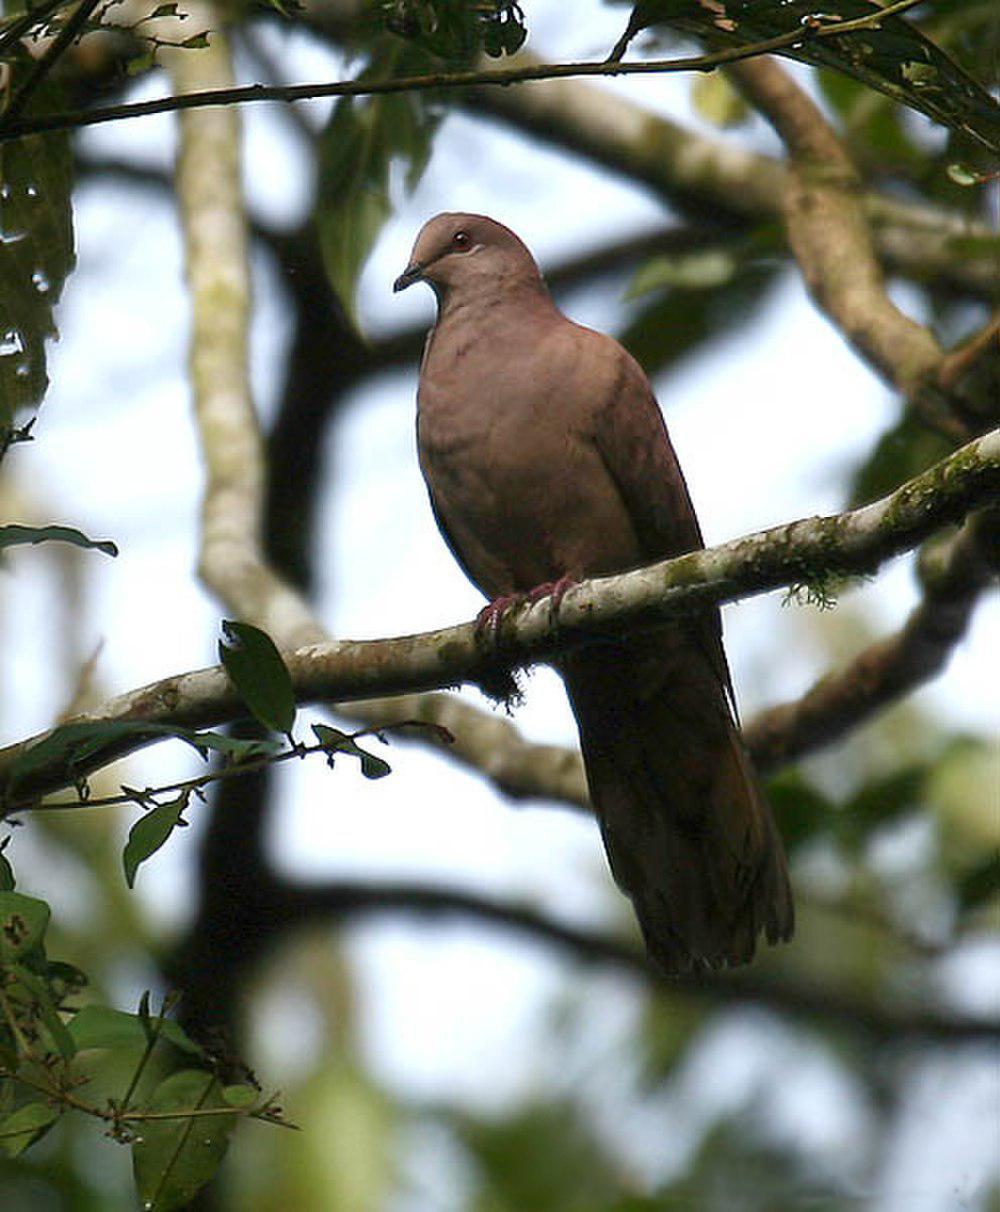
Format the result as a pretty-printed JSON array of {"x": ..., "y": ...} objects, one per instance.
[{"x": 857, "y": 1067}]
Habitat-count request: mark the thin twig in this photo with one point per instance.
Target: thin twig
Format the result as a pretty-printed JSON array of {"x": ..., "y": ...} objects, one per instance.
[{"x": 74, "y": 119}]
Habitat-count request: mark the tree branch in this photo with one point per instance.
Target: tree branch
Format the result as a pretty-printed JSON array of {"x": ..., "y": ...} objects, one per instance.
[
  {"x": 812, "y": 549},
  {"x": 297, "y": 904},
  {"x": 693, "y": 172},
  {"x": 829, "y": 235},
  {"x": 953, "y": 573},
  {"x": 211, "y": 203},
  {"x": 228, "y": 94}
]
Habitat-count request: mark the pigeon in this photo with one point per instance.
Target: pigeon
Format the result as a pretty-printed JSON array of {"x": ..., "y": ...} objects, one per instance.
[{"x": 547, "y": 461}]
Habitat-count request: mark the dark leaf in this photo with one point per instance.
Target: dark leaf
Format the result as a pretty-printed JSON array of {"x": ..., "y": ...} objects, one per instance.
[
  {"x": 175, "y": 1158},
  {"x": 257, "y": 670},
  {"x": 457, "y": 30},
  {"x": 150, "y": 832},
  {"x": 7, "y": 880},
  {"x": 447, "y": 29},
  {"x": 977, "y": 885},
  {"x": 36, "y": 253},
  {"x": 44, "y": 1008},
  {"x": 70, "y": 748},
  {"x": 143, "y": 1014},
  {"x": 361, "y": 140},
  {"x": 901, "y": 453},
  {"x": 64, "y": 979},
  {"x": 894, "y": 58},
  {"x": 11, "y": 536},
  {"x": 880, "y": 802},
  {"x": 24, "y": 1126},
  {"x": 335, "y": 741},
  {"x": 801, "y": 810}
]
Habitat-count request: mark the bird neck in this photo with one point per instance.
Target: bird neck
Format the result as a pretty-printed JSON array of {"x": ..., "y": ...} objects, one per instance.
[{"x": 488, "y": 299}]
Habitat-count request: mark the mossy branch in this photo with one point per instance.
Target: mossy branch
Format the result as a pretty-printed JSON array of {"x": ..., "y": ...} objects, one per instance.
[{"x": 855, "y": 542}]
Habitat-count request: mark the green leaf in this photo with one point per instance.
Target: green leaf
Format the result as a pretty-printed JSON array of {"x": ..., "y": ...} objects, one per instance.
[
  {"x": 975, "y": 248},
  {"x": 240, "y": 1095},
  {"x": 175, "y": 1158},
  {"x": 718, "y": 102},
  {"x": 135, "y": 65},
  {"x": 11, "y": 536},
  {"x": 357, "y": 148},
  {"x": 62, "y": 755},
  {"x": 676, "y": 324},
  {"x": 105, "y": 1027},
  {"x": 150, "y": 832},
  {"x": 24, "y": 1126},
  {"x": 257, "y": 670},
  {"x": 240, "y": 749},
  {"x": 44, "y": 1008},
  {"x": 36, "y": 251},
  {"x": 23, "y": 922},
  {"x": 335, "y": 741},
  {"x": 702, "y": 269}
]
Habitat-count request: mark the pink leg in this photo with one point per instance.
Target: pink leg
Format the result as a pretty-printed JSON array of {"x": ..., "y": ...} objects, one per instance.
[
  {"x": 556, "y": 590},
  {"x": 491, "y": 616}
]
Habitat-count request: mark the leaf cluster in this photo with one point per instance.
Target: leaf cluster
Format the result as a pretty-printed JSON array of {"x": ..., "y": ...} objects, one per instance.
[{"x": 458, "y": 30}]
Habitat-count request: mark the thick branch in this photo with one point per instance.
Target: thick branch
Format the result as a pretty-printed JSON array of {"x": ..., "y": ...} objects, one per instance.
[
  {"x": 209, "y": 192},
  {"x": 953, "y": 573},
  {"x": 829, "y": 234},
  {"x": 695, "y": 172},
  {"x": 809, "y": 549}
]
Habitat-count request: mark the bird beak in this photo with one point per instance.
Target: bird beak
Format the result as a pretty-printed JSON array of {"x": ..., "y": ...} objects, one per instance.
[{"x": 414, "y": 272}]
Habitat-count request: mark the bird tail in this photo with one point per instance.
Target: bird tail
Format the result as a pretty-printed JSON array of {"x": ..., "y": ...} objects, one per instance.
[{"x": 688, "y": 834}]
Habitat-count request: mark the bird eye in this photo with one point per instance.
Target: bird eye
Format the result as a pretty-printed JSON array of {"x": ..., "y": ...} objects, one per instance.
[{"x": 460, "y": 240}]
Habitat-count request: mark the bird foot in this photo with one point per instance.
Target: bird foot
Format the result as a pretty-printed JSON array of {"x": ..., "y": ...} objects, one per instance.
[
  {"x": 555, "y": 591},
  {"x": 490, "y": 618}
]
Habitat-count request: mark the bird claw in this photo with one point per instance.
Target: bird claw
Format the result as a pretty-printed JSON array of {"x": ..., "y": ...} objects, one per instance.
[
  {"x": 555, "y": 591},
  {"x": 490, "y": 618}
]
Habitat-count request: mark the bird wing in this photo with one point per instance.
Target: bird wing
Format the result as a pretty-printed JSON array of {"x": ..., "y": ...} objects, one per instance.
[{"x": 631, "y": 438}]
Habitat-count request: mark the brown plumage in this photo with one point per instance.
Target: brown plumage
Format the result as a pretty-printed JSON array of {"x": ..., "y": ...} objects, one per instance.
[{"x": 545, "y": 456}]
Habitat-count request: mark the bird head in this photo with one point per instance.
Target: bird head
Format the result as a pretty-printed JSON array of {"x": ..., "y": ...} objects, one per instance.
[{"x": 459, "y": 254}]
